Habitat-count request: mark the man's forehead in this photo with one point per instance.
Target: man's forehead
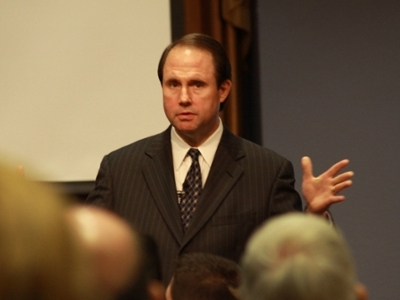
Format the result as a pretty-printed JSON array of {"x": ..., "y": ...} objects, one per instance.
[
  {"x": 190, "y": 48},
  {"x": 182, "y": 51},
  {"x": 189, "y": 59}
]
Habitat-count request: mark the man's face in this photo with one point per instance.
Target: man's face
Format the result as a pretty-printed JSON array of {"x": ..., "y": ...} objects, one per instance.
[{"x": 190, "y": 93}]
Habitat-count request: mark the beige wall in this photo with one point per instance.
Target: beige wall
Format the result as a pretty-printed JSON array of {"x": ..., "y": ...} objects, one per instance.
[{"x": 77, "y": 80}]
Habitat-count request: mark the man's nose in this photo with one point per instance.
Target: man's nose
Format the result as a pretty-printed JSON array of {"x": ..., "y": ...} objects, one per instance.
[{"x": 184, "y": 96}]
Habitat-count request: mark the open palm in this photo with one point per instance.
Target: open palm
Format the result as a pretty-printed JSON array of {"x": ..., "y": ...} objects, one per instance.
[{"x": 322, "y": 191}]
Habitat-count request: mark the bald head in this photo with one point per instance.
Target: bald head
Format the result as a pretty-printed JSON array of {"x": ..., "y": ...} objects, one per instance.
[{"x": 111, "y": 243}]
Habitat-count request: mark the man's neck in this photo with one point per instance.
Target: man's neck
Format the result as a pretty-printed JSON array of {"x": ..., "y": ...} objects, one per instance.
[{"x": 199, "y": 139}]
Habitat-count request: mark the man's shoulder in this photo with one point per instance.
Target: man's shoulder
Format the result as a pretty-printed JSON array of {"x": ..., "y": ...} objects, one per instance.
[
  {"x": 252, "y": 149},
  {"x": 139, "y": 146},
  {"x": 262, "y": 148}
]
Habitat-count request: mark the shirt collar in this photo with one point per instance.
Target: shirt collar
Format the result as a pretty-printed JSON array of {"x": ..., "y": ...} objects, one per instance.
[{"x": 207, "y": 149}]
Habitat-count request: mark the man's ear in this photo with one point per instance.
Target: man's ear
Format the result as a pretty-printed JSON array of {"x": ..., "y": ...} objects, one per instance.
[
  {"x": 168, "y": 295},
  {"x": 156, "y": 290},
  {"x": 361, "y": 291},
  {"x": 224, "y": 90}
]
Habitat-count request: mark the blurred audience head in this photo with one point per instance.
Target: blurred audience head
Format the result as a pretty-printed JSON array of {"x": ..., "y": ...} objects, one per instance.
[
  {"x": 40, "y": 253},
  {"x": 148, "y": 285},
  {"x": 298, "y": 257},
  {"x": 51, "y": 247},
  {"x": 203, "y": 276},
  {"x": 112, "y": 245}
]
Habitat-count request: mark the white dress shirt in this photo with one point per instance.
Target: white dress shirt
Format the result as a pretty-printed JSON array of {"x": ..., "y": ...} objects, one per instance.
[{"x": 182, "y": 161}]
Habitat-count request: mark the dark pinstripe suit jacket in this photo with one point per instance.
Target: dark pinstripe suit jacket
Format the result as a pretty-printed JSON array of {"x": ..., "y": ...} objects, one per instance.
[{"x": 246, "y": 185}]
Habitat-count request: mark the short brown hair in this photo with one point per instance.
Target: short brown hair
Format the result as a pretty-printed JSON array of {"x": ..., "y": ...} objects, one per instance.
[{"x": 204, "y": 276}]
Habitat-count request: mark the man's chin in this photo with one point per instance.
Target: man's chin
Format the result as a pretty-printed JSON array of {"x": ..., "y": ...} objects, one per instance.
[
  {"x": 185, "y": 131},
  {"x": 185, "y": 127}
]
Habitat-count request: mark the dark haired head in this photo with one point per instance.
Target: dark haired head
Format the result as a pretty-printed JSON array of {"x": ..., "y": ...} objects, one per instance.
[
  {"x": 204, "y": 276},
  {"x": 204, "y": 42}
]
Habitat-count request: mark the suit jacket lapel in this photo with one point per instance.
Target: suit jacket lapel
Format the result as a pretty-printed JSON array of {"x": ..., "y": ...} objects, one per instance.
[
  {"x": 224, "y": 173},
  {"x": 159, "y": 175}
]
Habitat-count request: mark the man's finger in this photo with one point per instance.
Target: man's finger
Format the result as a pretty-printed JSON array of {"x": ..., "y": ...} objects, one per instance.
[
  {"x": 343, "y": 177},
  {"x": 332, "y": 171},
  {"x": 339, "y": 198},
  {"x": 341, "y": 186},
  {"x": 306, "y": 165}
]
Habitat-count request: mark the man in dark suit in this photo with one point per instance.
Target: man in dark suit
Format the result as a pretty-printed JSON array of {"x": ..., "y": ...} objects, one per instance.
[{"x": 241, "y": 183}]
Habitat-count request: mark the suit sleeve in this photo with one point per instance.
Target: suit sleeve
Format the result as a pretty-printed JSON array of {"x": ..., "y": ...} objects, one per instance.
[
  {"x": 284, "y": 197},
  {"x": 102, "y": 194}
]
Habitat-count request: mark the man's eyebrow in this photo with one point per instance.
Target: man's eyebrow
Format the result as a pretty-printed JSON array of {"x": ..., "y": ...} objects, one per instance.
[
  {"x": 196, "y": 80},
  {"x": 171, "y": 79}
]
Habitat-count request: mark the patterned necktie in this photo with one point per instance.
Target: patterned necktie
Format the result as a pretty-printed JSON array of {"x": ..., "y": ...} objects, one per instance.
[{"x": 192, "y": 189}]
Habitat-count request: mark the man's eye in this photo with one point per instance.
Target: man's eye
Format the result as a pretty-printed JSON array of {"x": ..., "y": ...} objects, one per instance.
[{"x": 198, "y": 84}]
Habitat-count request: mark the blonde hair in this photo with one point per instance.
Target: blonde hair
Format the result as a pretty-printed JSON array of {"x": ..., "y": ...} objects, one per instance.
[{"x": 40, "y": 254}]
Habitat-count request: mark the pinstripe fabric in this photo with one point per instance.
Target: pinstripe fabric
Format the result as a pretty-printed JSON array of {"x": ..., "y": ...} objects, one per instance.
[{"x": 247, "y": 184}]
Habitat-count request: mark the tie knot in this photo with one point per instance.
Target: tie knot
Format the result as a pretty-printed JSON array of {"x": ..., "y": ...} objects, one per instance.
[{"x": 194, "y": 153}]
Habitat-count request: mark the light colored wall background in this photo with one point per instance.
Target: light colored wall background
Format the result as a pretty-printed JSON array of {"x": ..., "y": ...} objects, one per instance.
[
  {"x": 78, "y": 80},
  {"x": 330, "y": 88}
]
